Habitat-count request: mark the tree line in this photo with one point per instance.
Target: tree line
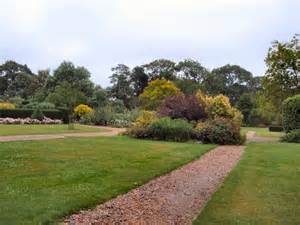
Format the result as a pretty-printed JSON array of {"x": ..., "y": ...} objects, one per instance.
[{"x": 69, "y": 85}]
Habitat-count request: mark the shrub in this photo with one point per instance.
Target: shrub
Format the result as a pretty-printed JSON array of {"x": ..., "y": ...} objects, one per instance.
[
  {"x": 60, "y": 114},
  {"x": 219, "y": 106},
  {"x": 7, "y": 105},
  {"x": 182, "y": 106},
  {"x": 168, "y": 129},
  {"x": 138, "y": 132},
  {"x": 88, "y": 118},
  {"x": 37, "y": 114},
  {"x": 102, "y": 116},
  {"x": 41, "y": 105},
  {"x": 237, "y": 117},
  {"x": 292, "y": 136},
  {"x": 140, "y": 125},
  {"x": 219, "y": 131},
  {"x": 124, "y": 119},
  {"x": 291, "y": 113},
  {"x": 156, "y": 92},
  {"x": 81, "y": 110},
  {"x": 275, "y": 128},
  {"x": 145, "y": 119},
  {"x": 203, "y": 99}
]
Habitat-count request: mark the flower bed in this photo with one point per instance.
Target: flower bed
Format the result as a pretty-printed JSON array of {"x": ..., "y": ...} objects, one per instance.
[{"x": 28, "y": 120}]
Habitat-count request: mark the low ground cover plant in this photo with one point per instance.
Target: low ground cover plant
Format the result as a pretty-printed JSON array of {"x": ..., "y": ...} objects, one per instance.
[{"x": 28, "y": 120}]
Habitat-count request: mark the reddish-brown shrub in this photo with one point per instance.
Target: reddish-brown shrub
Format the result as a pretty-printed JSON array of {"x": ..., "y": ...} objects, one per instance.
[{"x": 182, "y": 106}]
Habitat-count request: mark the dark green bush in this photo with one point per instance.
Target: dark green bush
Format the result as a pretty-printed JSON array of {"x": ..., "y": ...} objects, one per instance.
[
  {"x": 103, "y": 115},
  {"x": 41, "y": 105},
  {"x": 168, "y": 129},
  {"x": 138, "y": 132},
  {"x": 25, "y": 113},
  {"x": 275, "y": 128},
  {"x": 292, "y": 136},
  {"x": 219, "y": 131},
  {"x": 291, "y": 113},
  {"x": 37, "y": 114}
]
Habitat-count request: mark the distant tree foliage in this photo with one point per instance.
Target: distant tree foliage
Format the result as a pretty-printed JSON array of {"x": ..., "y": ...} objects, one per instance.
[
  {"x": 160, "y": 69},
  {"x": 232, "y": 81},
  {"x": 189, "y": 69},
  {"x": 246, "y": 104},
  {"x": 21, "y": 86}
]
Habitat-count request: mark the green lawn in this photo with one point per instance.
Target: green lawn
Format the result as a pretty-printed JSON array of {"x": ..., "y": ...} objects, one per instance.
[
  {"x": 264, "y": 132},
  {"x": 264, "y": 189},
  {"x": 6, "y": 130},
  {"x": 42, "y": 181}
]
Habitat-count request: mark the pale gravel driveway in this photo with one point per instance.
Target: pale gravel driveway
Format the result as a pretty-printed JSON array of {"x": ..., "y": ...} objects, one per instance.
[
  {"x": 109, "y": 131},
  {"x": 175, "y": 198}
]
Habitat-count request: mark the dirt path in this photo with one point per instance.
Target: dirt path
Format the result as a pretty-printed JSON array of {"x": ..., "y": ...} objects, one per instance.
[
  {"x": 175, "y": 198},
  {"x": 109, "y": 131},
  {"x": 252, "y": 137}
]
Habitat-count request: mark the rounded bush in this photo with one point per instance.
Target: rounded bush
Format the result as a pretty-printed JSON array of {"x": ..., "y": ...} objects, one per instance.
[
  {"x": 82, "y": 109},
  {"x": 168, "y": 129},
  {"x": 7, "y": 105},
  {"x": 291, "y": 113},
  {"x": 293, "y": 136},
  {"x": 219, "y": 131},
  {"x": 182, "y": 106}
]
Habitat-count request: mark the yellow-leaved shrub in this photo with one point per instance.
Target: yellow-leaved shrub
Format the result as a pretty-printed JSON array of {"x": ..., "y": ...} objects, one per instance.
[
  {"x": 82, "y": 110},
  {"x": 7, "y": 105}
]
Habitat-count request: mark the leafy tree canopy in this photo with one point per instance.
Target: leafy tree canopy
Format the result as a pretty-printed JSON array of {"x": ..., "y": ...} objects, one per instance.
[
  {"x": 156, "y": 92},
  {"x": 160, "y": 69},
  {"x": 230, "y": 80},
  {"x": 282, "y": 78}
]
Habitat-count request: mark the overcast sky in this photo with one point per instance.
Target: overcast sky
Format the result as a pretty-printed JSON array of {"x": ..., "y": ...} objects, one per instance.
[{"x": 99, "y": 34}]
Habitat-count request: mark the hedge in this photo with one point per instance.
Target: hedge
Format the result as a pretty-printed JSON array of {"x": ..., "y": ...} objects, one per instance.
[
  {"x": 275, "y": 128},
  {"x": 24, "y": 113},
  {"x": 291, "y": 113}
]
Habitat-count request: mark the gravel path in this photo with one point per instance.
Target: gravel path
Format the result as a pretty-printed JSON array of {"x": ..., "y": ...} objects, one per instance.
[
  {"x": 109, "y": 131},
  {"x": 175, "y": 198},
  {"x": 252, "y": 137}
]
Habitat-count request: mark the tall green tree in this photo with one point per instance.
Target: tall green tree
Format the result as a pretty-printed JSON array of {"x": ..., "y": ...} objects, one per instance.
[
  {"x": 282, "y": 77},
  {"x": 122, "y": 88},
  {"x": 230, "y": 80},
  {"x": 15, "y": 79},
  {"x": 67, "y": 96},
  {"x": 190, "y": 69},
  {"x": 246, "y": 104},
  {"x": 160, "y": 69},
  {"x": 139, "y": 80},
  {"x": 77, "y": 77},
  {"x": 99, "y": 98}
]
